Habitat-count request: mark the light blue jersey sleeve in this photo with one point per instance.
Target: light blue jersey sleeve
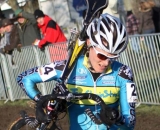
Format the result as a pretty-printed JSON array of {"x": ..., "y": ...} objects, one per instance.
[
  {"x": 128, "y": 98},
  {"x": 28, "y": 79}
]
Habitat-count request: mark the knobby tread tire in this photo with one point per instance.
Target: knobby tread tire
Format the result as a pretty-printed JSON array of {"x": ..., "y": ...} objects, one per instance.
[{"x": 18, "y": 124}]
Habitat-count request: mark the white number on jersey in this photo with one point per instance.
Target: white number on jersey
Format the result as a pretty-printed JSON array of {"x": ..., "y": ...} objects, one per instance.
[{"x": 131, "y": 92}]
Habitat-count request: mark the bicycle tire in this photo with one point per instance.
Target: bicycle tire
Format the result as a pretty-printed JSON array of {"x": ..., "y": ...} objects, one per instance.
[{"x": 20, "y": 124}]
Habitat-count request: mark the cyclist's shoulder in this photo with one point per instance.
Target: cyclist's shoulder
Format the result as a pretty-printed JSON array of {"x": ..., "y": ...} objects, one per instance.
[
  {"x": 123, "y": 70},
  {"x": 80, "y": 59}
]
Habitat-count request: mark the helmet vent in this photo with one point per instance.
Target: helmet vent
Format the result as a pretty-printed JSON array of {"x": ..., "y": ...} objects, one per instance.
[{"x": 95, "y": 32}]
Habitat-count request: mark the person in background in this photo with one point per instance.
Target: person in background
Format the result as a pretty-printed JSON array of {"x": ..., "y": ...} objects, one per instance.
[
  {"x": 117, "y": 9},
  {"x": 112, "y": 8},
  {"x": 132, "y": 26},
  {"x": 104, "y": 76},
  {"x": 2, "y": 31},
  {"x": 147, "y": 26},
  {"x": 11, "y": 38},
  {"x": 146, "y": 17},
  {"x": 50, "y": 30},
  {"x": 156, "y": 18},
  {"x": 27, "y": 27},
  {"x": 2, "y": 16},
  {"x": 132, "y": 23}
]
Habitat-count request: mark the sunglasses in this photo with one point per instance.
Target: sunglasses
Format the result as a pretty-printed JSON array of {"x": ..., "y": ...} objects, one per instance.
[{"x": 103, "y": 56}]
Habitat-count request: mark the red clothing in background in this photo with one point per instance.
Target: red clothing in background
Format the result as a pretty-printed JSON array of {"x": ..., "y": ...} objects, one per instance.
[{"x": 51, "y": 32}]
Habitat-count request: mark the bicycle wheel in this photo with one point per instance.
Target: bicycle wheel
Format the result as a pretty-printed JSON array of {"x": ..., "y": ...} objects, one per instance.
[{"x": 20, "y": 124}]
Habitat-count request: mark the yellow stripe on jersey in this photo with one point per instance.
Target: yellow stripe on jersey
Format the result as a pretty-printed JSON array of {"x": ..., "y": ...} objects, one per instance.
[{"x": 107, "y": 93}]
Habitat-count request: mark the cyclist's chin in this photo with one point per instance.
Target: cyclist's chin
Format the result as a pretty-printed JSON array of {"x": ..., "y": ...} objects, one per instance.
[{"x": 99, "y": 70}]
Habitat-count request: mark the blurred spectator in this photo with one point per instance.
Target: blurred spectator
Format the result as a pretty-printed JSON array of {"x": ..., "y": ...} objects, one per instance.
[
  {"x": 132, "y": 29},
  {"x": 147, "y": 25},
  {"x": 132, "y": 24},
  {"x": 156, "y": 18},
  {"x": 27, "y": 27},
  {"x": 11, "y": 38},
  {"x": 146, "y": 17},
  {"x": 117, "y": 9},
  {"x": 112, "y": 8},
  {"x": 50, "y": 30},
  {"x": 1, "y": 15},
  {"x": 2, "y": 31}
]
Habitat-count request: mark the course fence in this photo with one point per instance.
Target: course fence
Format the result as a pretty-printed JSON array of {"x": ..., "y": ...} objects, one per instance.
[
  {"x": 29, "y": 57},
  {"x": 142, "y": 55}
]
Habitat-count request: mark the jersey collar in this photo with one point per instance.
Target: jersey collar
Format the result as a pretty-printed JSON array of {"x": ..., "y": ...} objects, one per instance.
[{"x": 87, "y": 64}]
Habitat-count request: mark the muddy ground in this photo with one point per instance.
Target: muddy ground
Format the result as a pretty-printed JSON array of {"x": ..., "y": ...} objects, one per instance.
[{"x": 145, "y": 121}]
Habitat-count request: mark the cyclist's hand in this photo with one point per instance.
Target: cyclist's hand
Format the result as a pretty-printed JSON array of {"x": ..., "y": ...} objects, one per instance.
[
  {"x": 109, "y": 115},
  {"x": 41, "y": 114}
]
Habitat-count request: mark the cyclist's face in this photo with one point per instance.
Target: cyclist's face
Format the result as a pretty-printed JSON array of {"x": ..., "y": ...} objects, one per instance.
[{"x": 99, "y": 64}]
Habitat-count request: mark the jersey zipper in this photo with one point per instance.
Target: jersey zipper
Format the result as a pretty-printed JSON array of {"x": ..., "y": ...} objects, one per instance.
[{"x": 95, "y": 92}]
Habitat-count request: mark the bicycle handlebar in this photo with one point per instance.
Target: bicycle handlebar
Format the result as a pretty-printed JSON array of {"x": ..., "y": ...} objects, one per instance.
[{"x": 42, "y": 117}]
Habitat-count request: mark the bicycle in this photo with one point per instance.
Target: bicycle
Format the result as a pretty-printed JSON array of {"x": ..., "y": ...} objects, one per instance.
[
  {"x": 56, "y": 106},
  {"x": 46, "y": 117}
]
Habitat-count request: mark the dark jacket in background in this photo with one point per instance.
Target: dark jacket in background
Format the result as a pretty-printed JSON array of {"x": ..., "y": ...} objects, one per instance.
[
  {"x": 1, "y": 35},
  {"x": 13, "y": 39},
  {"x": 29, "y": 31},
  {"x": 1, "y": 43},
  {"x": 156, "y": 18}
]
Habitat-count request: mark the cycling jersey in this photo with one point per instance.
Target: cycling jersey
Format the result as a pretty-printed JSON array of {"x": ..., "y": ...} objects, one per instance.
[{"x": 115, "y": 87}]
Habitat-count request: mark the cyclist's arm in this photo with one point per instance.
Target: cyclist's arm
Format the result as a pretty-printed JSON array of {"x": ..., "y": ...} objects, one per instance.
[
  {"x": 28, "y": 79},
  {"x": 128, "y": 97}
]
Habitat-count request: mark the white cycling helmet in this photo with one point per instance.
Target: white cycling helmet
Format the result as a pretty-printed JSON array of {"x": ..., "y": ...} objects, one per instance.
[{"x": 110, "y": 29}]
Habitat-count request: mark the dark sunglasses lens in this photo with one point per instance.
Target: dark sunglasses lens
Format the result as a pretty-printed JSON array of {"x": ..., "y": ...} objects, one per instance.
[{"x": 102, "y": 57}]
